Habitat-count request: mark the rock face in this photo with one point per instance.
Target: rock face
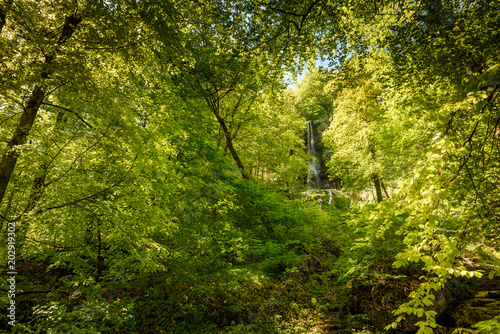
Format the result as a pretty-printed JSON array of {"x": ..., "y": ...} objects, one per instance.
[
  {"x": 479, "y": 301},
  {"x": 317, "y": 177},
  {"x": 461, "y": 304},
  {"x": 485, "y": 305},
  {"x": 444, "y": 299},
  {"x": 457, "y": 307}
]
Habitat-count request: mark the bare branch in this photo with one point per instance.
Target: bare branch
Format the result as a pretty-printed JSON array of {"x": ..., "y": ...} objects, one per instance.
[
  {"x": 75, "y": 202},
  {"x": 68, "y": 110}
]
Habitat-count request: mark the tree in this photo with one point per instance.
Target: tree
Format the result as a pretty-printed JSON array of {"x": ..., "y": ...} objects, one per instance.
[
  {"x": 356, "y": 131},
  {"x": 435, "y": 82},
  {"x": 47, "y": 46},
  {"x": 311, "y": 100},
  {"x": 74, "y": 122}
]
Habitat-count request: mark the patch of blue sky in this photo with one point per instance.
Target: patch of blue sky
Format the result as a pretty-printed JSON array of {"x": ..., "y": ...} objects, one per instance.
[{"x": 321, "y": 61}]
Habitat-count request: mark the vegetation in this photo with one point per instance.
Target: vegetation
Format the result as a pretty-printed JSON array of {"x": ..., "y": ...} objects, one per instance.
[{"x": 154, "y": 164}]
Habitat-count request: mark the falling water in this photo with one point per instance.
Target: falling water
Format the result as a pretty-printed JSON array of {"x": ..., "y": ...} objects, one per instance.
[{"x": 314, "y": 164}]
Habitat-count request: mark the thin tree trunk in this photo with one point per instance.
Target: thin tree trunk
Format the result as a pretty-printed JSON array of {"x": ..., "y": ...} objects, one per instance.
[
  {"x": 2, "y": 18},
  {"x": 39, "y": 181},
  {"x": 99, "y": 259},
  {"x": 37, "y": 189},
  {"x": 4, "y": 8},
  {"x": 229, "y": 143},
  {"x": 376, "y": 181},
  {"x": 383, "y": 188}
]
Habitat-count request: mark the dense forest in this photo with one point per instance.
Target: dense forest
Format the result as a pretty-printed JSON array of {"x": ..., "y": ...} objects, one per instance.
[{"x": 250, "y": 166}]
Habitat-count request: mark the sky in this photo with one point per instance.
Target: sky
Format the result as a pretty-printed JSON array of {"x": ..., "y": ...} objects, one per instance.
[{"x": 319, "y": 63}]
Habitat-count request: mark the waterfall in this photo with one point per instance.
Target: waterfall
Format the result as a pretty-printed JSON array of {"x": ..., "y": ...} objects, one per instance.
[{"x": 314, "y": 163}]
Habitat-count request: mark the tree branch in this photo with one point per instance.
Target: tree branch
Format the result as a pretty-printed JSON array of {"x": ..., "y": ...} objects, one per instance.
[
  {"x": 68, "y": 110},
  {"x": 75, "y": 202}
]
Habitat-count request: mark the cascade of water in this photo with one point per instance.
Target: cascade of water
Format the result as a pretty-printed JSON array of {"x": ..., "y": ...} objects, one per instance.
[{"x": 314, "y": 163}]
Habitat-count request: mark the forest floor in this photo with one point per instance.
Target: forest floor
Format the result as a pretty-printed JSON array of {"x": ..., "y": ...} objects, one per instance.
[
  {"x": 309, "y": 299},
  {"x": 326, "y": 292}
]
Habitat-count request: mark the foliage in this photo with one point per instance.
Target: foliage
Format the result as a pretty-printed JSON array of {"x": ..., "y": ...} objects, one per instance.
[
  {"x": 311, "y": 100},
  {"x": 92, "y": 317},
  {"x": 488, "y": 326},
  {"x": 154, "y": 145}
]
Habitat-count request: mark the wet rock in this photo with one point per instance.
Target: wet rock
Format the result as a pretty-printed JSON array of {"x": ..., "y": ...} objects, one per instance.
[
  {"x": 478, "y": 302},
  {"x": 484, "y": 306},
  {"x": 441, "y": 302},
  {"x": 494, "y": 294},
  {"x": 335, "y": 324},
  {"x": 446, "y": 300}
]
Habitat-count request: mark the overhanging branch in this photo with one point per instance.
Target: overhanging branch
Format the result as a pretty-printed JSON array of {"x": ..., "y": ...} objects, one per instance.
[{"x": 68, "y": 110}]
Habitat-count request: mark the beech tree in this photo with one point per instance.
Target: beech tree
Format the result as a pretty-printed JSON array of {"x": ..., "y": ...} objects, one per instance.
[
  {"x": 156, "y": 142},
  {"x": 46, "y": 46}
]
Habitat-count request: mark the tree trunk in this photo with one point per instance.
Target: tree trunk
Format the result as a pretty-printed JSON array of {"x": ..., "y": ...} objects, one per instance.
[
  {"x": 37, "y": 189},
  {"x": 229, "y": 143},
  {"x": 100, "y": 258},
  {"x": 378, "y": 190},
  {"x": 11, "y": 154},
  {"x": 9, "y": 158},
  {"x": 385, "y": 190},
  {"x": 4, "y": 8}
]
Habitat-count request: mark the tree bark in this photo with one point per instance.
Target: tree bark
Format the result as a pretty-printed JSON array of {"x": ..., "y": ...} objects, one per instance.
[
  {"x": 4, "y": 8},
  {"x": 99, "y": 259},
  {"x": 9, "y": 158},
  {"x": 385, "y": 190},
  {"x": 229, "y": 143},
  {"x": 378, "y": 190}
]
